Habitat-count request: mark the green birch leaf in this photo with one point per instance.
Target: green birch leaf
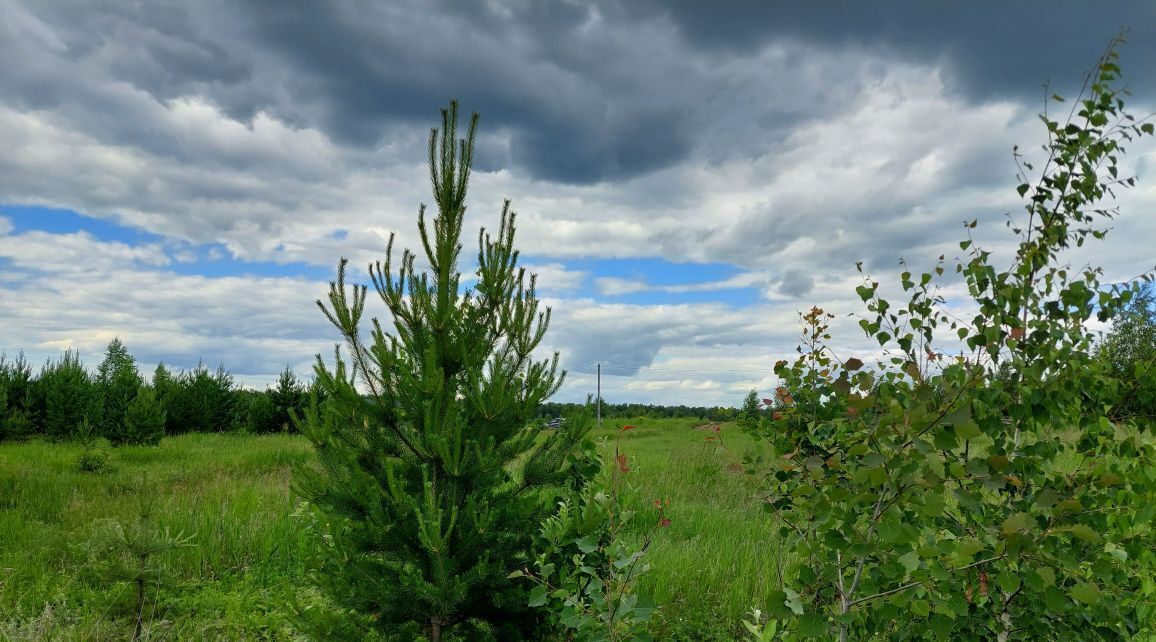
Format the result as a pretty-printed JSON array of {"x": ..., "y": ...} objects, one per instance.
[{"x": 1085, "y": 592}]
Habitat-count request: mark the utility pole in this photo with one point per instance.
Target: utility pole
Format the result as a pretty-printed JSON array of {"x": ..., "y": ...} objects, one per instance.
[{"x": 599, "y": 400}]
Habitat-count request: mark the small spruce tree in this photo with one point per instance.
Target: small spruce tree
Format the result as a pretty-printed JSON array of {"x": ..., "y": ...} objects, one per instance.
[{"x": 433, "y": 477}]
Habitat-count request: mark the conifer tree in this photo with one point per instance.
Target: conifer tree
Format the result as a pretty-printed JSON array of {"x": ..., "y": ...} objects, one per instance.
[
  {"x": 163, "y": 385},
  {"x": 288, "y": 400},
  {"x": 69, "y": 395},
  {"x": 162, "y": 380},
  {"x": 16, "y": 412},
  {"x": 118, "y": 381},
  {"x": 432, "y": 475},
  {"x": 144, "y": 420},
  {"x": 200, "y": 401},
  {"x": 261, "y": 412}
]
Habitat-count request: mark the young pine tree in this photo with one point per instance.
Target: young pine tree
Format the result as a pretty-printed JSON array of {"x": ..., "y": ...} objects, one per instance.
[
  {"x": 144, "y": 420},
  {"x": 118, "y": 382},
  {"x": 18, "y": 419},
  {"x": 201, "y": 401},
  {"x": 288, "y": 400},
  {"x": 69, "y": 395},
  {"x": 433, "y": 477}
]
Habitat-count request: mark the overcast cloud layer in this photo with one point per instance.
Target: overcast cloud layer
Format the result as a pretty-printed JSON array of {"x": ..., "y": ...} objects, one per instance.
[{"x": 687, "y": 175}]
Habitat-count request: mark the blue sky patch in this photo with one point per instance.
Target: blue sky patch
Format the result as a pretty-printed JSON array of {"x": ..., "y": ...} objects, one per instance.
[
  {"x": 26, "y": 218},
  {"x": 215, "y": 260},
  {"x": 656, "y": 273},
  {"x": 210, "y": 260}
]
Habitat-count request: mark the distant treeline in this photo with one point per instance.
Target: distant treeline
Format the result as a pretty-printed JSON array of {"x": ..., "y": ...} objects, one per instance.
[
  {"x": 63, "y": 399},
  {"x": 627, "y": 410}
]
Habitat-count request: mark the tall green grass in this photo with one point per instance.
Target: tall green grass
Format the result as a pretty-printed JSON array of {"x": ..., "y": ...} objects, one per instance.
[
  {"x": 229, "y": 493},
  {"x": 717, "y": 559},
  {"x": 251, "y": 539}
]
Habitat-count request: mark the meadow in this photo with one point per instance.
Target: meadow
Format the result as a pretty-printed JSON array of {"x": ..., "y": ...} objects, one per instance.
[{"x": 242, "y": 565}]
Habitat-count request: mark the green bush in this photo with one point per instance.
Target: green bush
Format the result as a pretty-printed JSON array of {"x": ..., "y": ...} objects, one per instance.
[{"x": 988, "y": 494}]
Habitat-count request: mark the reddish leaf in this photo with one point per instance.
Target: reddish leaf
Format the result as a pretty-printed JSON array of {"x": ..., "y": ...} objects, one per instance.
[
  {"x": 783, "y": 395},
  {"x": 768, "y": 402},
  {"x": 853, "y": 364},
  {"x": 622, "y": 465},
  {"x": 625, "y": 428},
  {"x": 664, "y": 522}
]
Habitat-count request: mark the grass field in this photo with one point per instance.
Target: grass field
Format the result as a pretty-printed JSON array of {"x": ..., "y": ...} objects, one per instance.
[{"x": 245, "y": 562}]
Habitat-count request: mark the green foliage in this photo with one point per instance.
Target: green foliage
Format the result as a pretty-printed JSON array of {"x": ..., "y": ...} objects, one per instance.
[
  {"x": 808, "y": 398},
  {"x": 68, "y": 396},
  {"x": 260, "y": 414},
  {"x": 274, "y": 409},
  {"x": 431, "y": 473},
  {"x": 133, "y": 553},
  {"x": 117, "y": 382},
  {"x": 1129, "y": 351},
  {"x": 18, "y": 400},
  {"x": 200, "y": 401},
  {"x": 553, "y": 409},
  {"x": 288, "y": 401},
  {"x": 61, "y": 527},
  {"x": 92, "y": 459},
  {"x": 585, "y": 572},
  {"x": 144, "y": 420},
  {"x": 750, "y": 413},
  {"x": 988, "y": 494},
  {"x": 163, "y": 382}
]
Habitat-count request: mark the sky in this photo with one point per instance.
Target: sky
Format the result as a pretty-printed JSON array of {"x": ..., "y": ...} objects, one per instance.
[{"x": 688, "y": 176}]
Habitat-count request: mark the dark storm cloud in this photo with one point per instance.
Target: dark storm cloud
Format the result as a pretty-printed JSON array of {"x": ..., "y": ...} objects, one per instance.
[
  {"x": 576, "y": 92},
  {"x": 157, "y": 48},
  {"x": 991, "y": 47},
  {"x": 536, "y": 73}
]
